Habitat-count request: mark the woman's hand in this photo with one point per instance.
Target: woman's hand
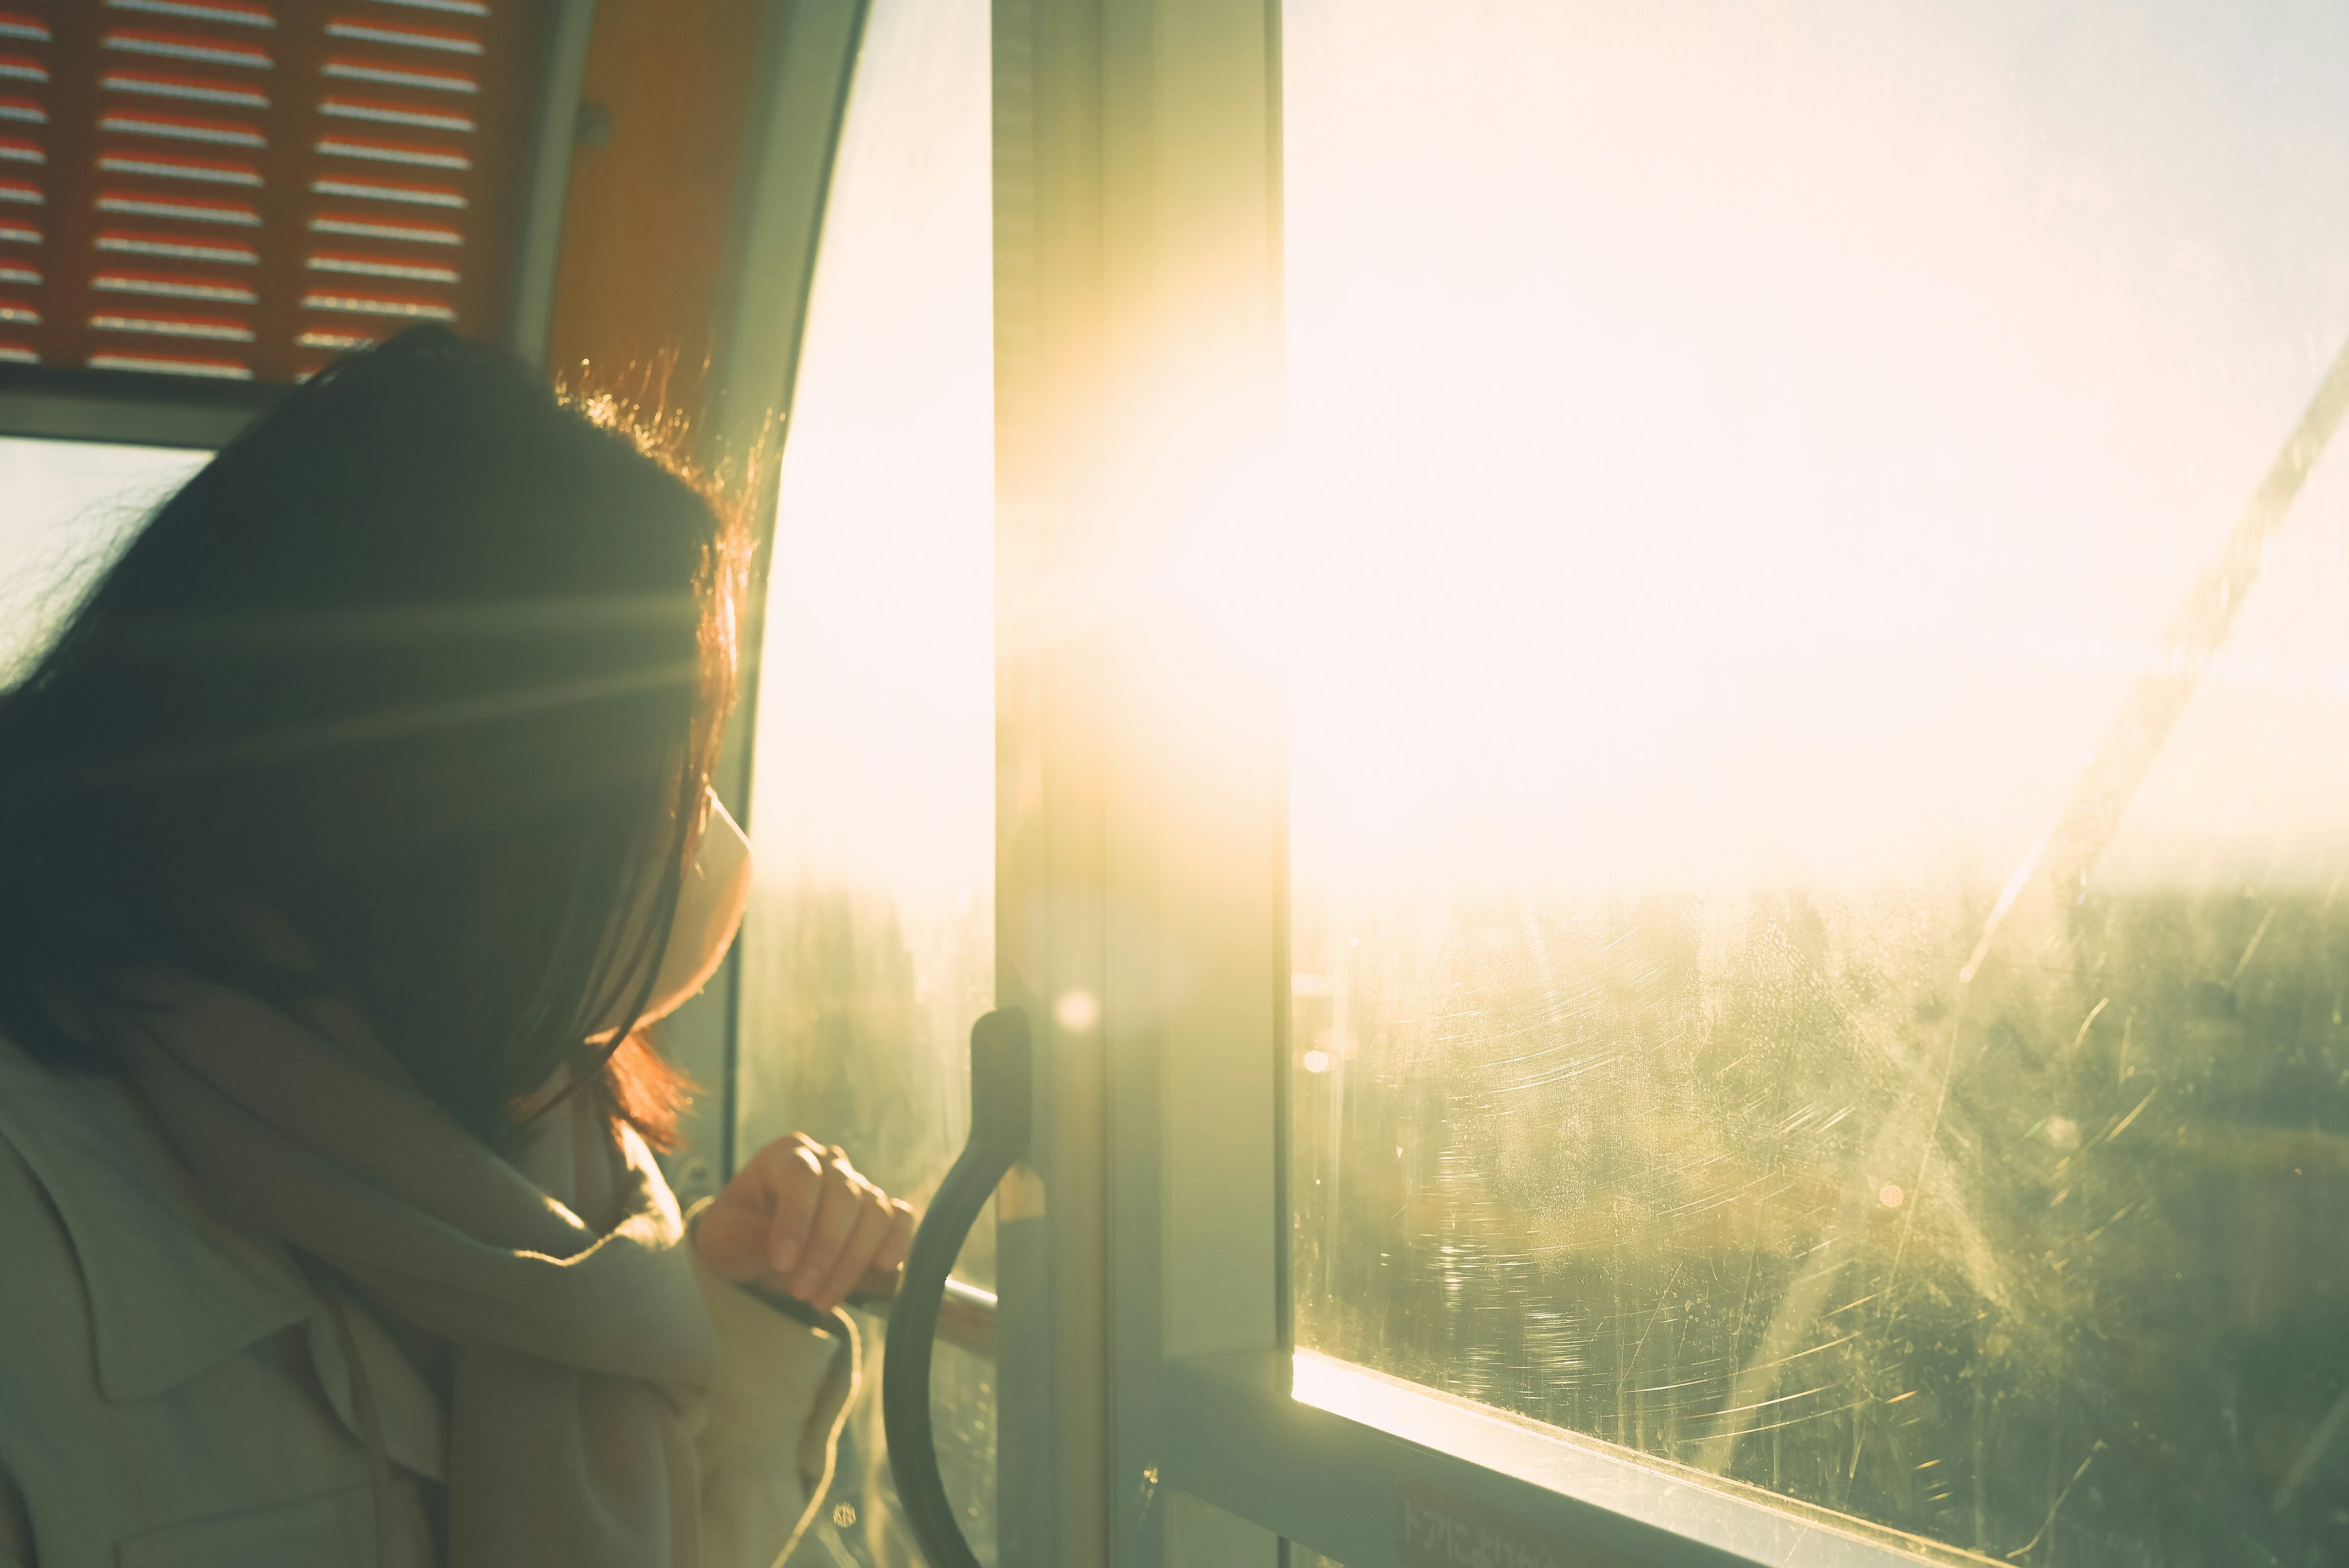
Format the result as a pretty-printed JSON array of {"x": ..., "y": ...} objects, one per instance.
[{"x": 799, "y": 1219}]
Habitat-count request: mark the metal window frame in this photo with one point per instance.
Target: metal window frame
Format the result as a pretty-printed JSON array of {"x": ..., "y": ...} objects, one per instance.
[
  {"x": 807, "y": 65},
  {"x": 60, "y": 404},
  {"x": 571, "y": 25},
  {"x": 1139, "y": 857},
  {"x": 1147, "y": 1411}
]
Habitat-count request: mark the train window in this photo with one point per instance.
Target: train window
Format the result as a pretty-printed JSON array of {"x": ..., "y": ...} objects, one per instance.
[
  {"x": 1818, "y": 765},
  {"x": 869, "y": 947},
  {"x": 66, "y": 506},
  {"x": 1705, "y": 926}
]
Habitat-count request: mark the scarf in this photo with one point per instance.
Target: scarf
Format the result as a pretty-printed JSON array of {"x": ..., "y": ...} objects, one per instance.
[{"x": 573, "y": 1343}]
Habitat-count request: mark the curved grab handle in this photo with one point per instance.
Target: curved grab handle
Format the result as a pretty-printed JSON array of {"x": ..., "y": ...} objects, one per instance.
[{"x": 999, "y": 1115}]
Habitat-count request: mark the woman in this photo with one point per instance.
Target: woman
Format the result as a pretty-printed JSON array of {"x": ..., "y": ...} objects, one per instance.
[{"x": 350, "y": 834}]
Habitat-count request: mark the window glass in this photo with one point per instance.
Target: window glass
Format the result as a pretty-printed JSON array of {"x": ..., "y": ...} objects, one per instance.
[
  {"x": 70, "y": 507},
  {"x": 1819, "y": 820},
  {"x": 869, "y": 948}
]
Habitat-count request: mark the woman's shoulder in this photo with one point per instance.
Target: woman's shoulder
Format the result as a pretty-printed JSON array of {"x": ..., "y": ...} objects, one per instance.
[
  {"x": 109, "y": 1248},
  {"x": 47, "y": 1120},
  {"x": 142, "y": 1414},
  {"x": 39, "y": 1276}
]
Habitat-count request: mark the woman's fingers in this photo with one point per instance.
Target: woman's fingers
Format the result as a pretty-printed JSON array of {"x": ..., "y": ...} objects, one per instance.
[
  {"x": 733, "y": 1239},
  {"x": 798, "y": 1218},
  {"x": 793, "y": 1182},
  {"x": 891, "y": 1255},
  {"x": 874, "y": 1215},
  {"x": 758, "y": 1226},
  {"x": 836, "y": 1221}
]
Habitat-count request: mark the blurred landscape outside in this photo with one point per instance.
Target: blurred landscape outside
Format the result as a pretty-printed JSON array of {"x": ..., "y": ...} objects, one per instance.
[{"x": 1737, "y": 505}]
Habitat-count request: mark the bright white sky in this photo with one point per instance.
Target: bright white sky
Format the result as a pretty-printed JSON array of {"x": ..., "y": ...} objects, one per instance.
[
  {"x": 66, "y": 508},
  {"x": 1762, "y": 441},
  {"x": 875, "y": 761},
  {"x": 1732, "y": 442}
]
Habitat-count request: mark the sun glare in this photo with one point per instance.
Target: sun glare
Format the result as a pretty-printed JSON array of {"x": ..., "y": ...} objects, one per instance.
[
  {"x": 1771, "y": 447},
  {"x": 876, "y": 702}
]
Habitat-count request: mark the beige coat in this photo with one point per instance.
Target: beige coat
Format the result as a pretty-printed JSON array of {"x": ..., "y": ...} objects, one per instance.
[{"x": 172, "y": 1391}]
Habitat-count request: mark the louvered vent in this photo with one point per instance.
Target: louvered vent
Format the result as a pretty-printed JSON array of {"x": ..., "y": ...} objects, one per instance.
[{"x": 240, "y": 189}]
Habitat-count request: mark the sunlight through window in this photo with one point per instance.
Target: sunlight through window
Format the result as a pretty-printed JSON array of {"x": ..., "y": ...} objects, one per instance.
[
  {"x": 1821, "y": 749},
  {"x": 869, "y": 947}
]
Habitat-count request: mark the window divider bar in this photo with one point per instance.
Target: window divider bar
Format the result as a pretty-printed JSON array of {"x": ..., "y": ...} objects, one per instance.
[{"x": 1339, "y": 1481}]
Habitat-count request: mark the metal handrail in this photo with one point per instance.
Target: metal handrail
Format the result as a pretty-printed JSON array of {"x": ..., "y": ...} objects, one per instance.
[
  {"x": 1000, "y": 1100},
  {"x": 965, "y": 1311},
  {"x": 924, "y": 1302}
]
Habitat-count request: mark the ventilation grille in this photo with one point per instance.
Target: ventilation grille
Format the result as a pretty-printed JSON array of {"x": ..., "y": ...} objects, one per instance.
[{"x": 240, "y": 189}]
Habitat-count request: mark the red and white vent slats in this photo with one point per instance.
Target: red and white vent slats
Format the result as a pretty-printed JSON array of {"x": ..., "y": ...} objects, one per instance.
[
  {"x": 414, "y": 154},
  {"x": 382, "y": 267},
  {"x": 224, "y": 12},
  {"x": 185, "y": 47},
  {"x": 422, "y": 117},
  {"x": 400, "y": 75},
  {"x": 366, "y": 225},
  {"x": 437, "y": 40},
  {"x": 193, "y": 209},
  {"x": 174, "y": 365},
  {"x": 190, "y": 90},
  {"x": 388, "y": 191},
  {"x": 161, "y": 166},
  {"x": 183, "y": 128},
  {"x": 166, "y": 287},
  {"x": 240, "y": 189},
  {"x": 217, "y": 328},
  {"x": 179, "y": 247}
]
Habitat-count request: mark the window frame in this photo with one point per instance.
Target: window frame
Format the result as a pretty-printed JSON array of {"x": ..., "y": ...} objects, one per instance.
[
  {"x": 807, "y": 63},
  {"x": 57, "y": 404},
  {"x": 1148, "y": 1413},
  {"x": 1147, "y": 1409}
]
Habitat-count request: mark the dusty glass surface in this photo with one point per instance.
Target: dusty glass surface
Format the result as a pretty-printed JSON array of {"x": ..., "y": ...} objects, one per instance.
[
  {"x": 869, "y": 948},
  {"x": 1821, "y": 749},
  {"x": 65, "y": 508}
]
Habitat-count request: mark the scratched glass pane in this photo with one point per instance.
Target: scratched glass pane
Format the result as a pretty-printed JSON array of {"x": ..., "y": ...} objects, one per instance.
[
  {"x": 1821, "y": 749},
  {"x": 869, "y": 947}
]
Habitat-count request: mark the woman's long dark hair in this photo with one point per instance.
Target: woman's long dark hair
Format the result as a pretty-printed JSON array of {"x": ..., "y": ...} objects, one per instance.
[{"x": 426, "y": 668}]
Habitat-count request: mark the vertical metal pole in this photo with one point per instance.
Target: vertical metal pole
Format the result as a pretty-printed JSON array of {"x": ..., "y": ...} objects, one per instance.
[
  {"x": 570, "y": 23},
  {"x": 1139, "y": 795},
  {"x": 1053, "y": 1384}
]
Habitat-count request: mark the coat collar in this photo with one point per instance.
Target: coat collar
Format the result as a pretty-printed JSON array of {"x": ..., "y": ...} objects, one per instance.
[{"x": 172, "y": 1289}]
